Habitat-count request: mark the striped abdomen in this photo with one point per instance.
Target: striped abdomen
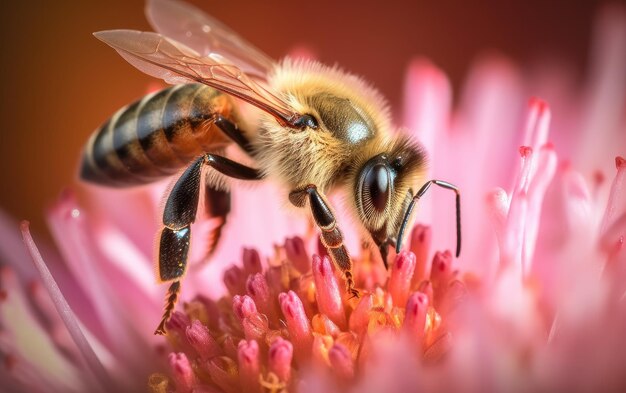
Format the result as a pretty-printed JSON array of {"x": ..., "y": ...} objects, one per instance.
[{"x": 155, "y": 136}]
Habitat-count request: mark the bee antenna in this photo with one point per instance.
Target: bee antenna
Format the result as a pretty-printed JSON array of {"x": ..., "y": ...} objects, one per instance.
[{"x": 417, "y": 196}]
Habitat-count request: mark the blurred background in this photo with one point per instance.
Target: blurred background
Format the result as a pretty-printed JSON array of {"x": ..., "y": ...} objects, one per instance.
[{"x": 59, "y": 83}]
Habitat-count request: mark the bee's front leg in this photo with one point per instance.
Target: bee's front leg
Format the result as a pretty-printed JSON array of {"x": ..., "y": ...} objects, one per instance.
[
  {"x": 179, "y": 213},
  {"x": 330, "y": 236}
]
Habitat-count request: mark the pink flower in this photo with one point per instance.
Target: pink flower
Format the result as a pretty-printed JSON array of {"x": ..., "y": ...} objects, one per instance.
[{"x": 536, "y": 302}]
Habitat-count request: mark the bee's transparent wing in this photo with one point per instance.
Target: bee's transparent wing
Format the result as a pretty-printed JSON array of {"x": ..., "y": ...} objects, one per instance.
[
  {"x": 206, "y": 35},
  {"x": 174, "y": 62}
]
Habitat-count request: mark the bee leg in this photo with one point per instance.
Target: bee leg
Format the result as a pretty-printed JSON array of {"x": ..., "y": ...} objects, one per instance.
[
  {"x": 218, "y": 201},
  {"x": 232, "y": 131},
  {"x": 217, "y": 205},
  {"x": 179, "y": 213},
  {"x": 330, "y": 236}
]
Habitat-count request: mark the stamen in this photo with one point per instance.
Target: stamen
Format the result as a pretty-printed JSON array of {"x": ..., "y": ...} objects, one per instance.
[
  {"x": 210, "y": 315},
  {"x": 279, "y": 278},
  {"x": 243, "y": 306},
  {"x": 259, "y": 290},
  {"x": 537, "y": 123},
  {"x": 280, "y": 355},
  {"x": 415, "y": 316},
  {"x": 341, "y": 361},
  {"x": 359, "y": 318},
  {"x": 439, "y": 348},
  {"x": 272, "y": 384},
  {"x": 401, "y": 275},
  {"x": 178, "y": 323},
  {"x": 297, "y": 255},
  {"x": 223, "y": 372},
  {"x": 255, "y": 326},
  {"x": 177, "y": 331},
  {"x": 158, "y": 383},
  {"x": 421, "y": 239},
  {"x": 426, "y": 287},
  {"x": 182, "y": 372},
  {"x": 440, "y": 273},
  {"x": 251, "y": 261},
  {"x": 297, "y": 324},
  {"x": 201, "y": 340},
  {"x": 323, "y": 325},
  {"x": 544, "y": 172},
  {"x": 511, "y": 253},
  {"x": 249, "y": 365},
  {"x": 196, "y": 309},
  {"x": 320, "y": 347},
  {"x": 229, "y": 346},
  {"x": 577, "y": 204},
  {"x": 497, "y": 202},
  {"x": 234, "y": 280},
  {"x": 454, "y": 295},
  {"x": 328, "y": 294}
]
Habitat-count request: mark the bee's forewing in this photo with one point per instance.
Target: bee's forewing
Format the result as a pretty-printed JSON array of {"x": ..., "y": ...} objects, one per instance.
[
  {"x": 206, "y": 35},
  {"x": 174, "y": 62}
]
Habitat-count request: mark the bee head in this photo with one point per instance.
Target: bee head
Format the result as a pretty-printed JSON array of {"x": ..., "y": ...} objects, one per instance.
[{"x": 384, "y": 186}]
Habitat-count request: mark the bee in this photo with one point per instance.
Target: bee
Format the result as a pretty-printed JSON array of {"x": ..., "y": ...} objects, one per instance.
[{"x": 313, "y": 129}]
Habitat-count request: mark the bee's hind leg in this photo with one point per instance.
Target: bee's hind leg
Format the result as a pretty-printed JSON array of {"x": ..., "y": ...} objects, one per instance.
[
  {"x": 179, "y": 213},
  {"x": 218, "y": 201},
  {"x": 330, "y": 236},
  {"x": 217, "y": 206}
]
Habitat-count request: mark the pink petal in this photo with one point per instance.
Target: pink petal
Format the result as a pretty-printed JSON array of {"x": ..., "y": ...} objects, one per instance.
[
  {"x": 602, "y": 122},
  {"x": 66, "y": 313},
  {"x": 427, "y": 104},
  {"x": 77, "y": 242},
  {"x": 616, "y": 206},
  {"x": 545, "y": 169}
]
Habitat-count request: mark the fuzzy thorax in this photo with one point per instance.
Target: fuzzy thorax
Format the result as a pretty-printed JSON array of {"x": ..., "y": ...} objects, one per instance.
[{"x": 351, "y": 116}]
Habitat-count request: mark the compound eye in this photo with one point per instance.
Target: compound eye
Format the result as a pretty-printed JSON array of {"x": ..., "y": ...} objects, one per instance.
[{"x": 376, "y": 188}]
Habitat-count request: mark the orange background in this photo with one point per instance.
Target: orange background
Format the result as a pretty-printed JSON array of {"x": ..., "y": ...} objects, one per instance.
[{"x": 59, "y": 83}]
